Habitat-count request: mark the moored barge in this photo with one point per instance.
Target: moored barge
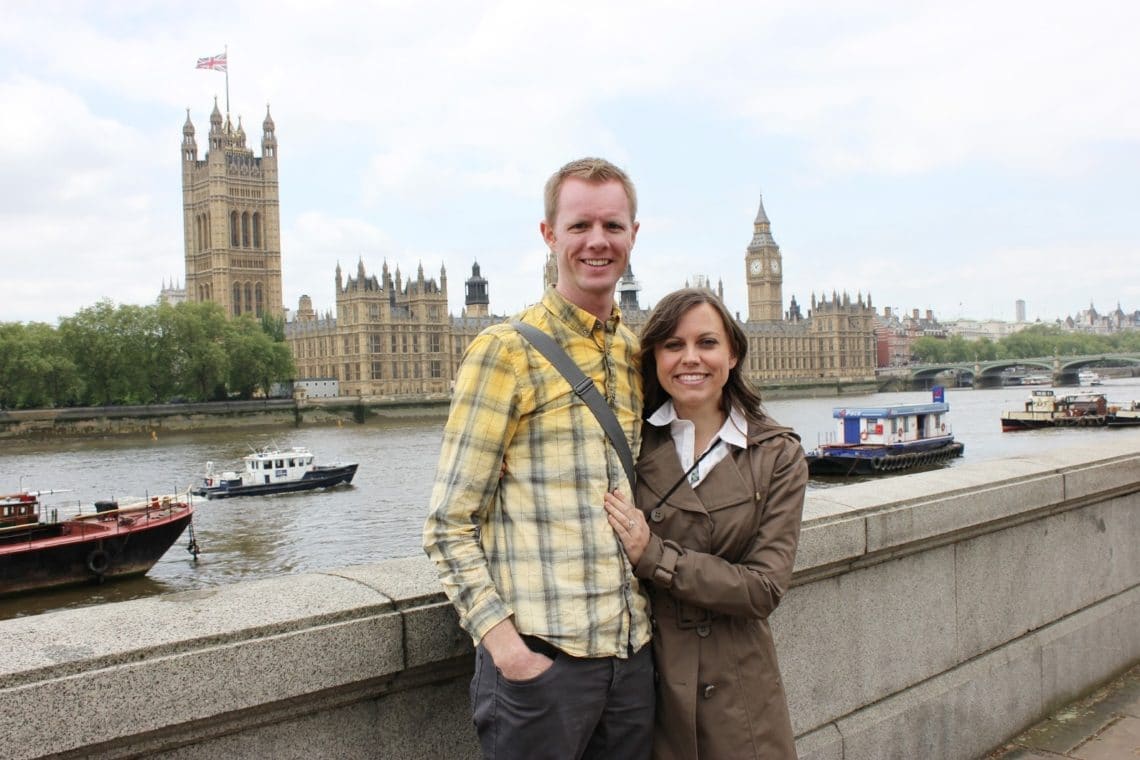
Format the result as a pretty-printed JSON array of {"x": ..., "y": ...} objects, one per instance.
[{"x": 38, "y": 551}]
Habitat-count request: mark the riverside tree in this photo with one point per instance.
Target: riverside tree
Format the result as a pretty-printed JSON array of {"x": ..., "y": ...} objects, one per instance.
[{"x": 107, "y": 354}]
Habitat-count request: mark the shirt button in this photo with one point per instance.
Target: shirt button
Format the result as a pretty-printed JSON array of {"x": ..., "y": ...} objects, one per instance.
[
  {"x": 657, "y": 515},
  {"x": 709, "y": 689},
  {"x": 703, "y": 631}
]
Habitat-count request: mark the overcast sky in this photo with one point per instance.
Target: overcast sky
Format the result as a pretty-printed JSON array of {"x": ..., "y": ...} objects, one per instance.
[{"x": 945, "y": 156}]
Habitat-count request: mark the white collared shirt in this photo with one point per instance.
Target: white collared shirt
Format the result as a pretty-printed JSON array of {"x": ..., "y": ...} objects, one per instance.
[{"x": 684, "y": 434}]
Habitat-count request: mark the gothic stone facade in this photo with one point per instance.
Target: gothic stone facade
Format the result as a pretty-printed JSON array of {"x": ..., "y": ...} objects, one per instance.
[
  {"x": 388, "y": 338},
  {"x": 231, "y": 218},
  {"x": 393, "y": 338}
]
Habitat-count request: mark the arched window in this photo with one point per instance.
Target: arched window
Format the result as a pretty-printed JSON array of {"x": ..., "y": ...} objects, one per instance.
[
  {"x": 245, "y": 230},
  {"x": 234, "y": 229},
  {"x": 237, "y": 299},
  {"x": 248, "y": 298},
  {"x": 259, "y": 302},
  {"x": 257, "y": 231}
]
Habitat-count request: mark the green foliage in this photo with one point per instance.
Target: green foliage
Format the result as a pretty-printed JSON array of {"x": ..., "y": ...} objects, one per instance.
[
  {"x": 256, "y": 359},
  {"x": 1031, "y": 343},
  {"x": 35, "y": 370},
  {"x": 108, "y": 354}
]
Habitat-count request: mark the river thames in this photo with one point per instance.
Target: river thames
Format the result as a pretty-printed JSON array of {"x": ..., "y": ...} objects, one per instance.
[{"x": 381, "y": 514}]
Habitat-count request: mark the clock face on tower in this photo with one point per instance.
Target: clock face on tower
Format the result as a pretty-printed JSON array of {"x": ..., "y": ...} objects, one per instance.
[
  {"x": 755, "y": 266},
  {"x": 775, "y": 266}
]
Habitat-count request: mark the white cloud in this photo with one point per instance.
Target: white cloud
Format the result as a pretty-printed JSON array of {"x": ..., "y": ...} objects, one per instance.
[{"x": 424, "y": 131}]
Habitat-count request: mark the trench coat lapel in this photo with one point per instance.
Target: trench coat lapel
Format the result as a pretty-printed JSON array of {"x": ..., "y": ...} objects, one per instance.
[{"x": 659, "y": 468}]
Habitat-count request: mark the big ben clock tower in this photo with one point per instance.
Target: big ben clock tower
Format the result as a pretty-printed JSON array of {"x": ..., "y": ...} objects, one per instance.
[{"x": 765, "y": 281}]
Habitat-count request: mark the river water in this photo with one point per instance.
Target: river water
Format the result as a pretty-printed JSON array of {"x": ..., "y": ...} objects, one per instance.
[{"x": 381, "y": 514}]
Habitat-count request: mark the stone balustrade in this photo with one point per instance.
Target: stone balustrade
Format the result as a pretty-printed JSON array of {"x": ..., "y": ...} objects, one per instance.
[{"x": 933, "y": 616}]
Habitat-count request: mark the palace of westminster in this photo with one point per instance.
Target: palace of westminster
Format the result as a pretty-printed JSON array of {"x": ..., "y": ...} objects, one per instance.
[{"x": 393, "y": 336}]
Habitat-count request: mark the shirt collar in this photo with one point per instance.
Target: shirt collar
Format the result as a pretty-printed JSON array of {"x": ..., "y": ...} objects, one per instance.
[
  {"x": 733, "y": 431},
  {"x": 577, "y": 319}
]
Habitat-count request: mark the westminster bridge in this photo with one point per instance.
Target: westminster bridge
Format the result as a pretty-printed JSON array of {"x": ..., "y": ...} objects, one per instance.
[{"x": 1063, "y": 370}]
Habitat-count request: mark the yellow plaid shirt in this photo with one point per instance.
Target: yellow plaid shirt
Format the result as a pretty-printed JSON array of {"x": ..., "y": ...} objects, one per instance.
[{"x": 534, "y": 543}]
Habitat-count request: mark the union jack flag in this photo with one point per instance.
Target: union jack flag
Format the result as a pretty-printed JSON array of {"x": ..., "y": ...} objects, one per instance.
[{"x": 215, "y": 62}]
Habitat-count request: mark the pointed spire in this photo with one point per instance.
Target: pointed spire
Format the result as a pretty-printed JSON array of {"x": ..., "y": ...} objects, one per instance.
[
  {"x": 761, "y": 231},
  {"x": 761, "y": 215}
]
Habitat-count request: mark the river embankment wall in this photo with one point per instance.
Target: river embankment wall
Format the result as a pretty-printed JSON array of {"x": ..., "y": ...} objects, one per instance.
[
  {"x": 932, "y": 616},
  {"x": 160, "y": 419}
]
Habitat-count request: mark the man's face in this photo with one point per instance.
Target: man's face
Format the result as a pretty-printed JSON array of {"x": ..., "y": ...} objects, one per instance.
[{"x": 591, "y": 237}]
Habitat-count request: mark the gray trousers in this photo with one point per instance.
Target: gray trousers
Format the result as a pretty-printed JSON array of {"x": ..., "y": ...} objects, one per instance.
[{"x": 580, "y": 708}]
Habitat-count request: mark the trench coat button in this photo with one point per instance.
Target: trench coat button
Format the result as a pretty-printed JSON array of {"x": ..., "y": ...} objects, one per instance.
[
  {"x": 709, "y": 689},
  {"x": 657, "y": 515},
  {"x": 703, "y": 631}
]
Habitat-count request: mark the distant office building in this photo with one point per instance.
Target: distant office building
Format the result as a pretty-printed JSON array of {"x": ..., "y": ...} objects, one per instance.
[
  {"x": 1019, "y": 310},
  {"x": 976, "y": 329},
  {"x": 896, "y": 332},
  {"x": 231, "y": 218},
  {"x": 1092, "y": 321}
]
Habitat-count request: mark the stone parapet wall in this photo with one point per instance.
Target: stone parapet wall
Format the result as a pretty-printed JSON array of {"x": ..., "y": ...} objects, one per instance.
[{"x": 933, "y": 616}]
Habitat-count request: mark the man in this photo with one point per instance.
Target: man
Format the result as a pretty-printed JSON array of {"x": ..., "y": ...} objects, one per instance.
[{"x": 517, "y": 525}]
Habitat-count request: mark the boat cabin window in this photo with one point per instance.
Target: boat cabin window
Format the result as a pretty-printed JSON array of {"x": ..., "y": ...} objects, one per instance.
[
  {"x": 292, "y": 462},
  {"x": 280, "y": 463},
  {"x": 267, "y": 465}
]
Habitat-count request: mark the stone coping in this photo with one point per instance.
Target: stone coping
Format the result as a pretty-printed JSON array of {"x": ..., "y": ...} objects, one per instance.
[{"x": 883, "y": 517}]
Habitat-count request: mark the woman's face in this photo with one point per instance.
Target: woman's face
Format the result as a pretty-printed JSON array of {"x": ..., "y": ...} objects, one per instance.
[{"x": 693, "y": 363}]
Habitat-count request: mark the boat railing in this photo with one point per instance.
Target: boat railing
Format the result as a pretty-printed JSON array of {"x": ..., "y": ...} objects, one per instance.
[{"x": 827, "y": 438}]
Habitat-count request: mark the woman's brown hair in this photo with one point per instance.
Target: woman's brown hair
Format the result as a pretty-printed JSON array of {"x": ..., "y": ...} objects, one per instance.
[{"x": 662, "y": 324}]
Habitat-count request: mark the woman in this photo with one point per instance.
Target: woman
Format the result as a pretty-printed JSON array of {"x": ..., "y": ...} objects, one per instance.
[{"x": 719, "y": 496}]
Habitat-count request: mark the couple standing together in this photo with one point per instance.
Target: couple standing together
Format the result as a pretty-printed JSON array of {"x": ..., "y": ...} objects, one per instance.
[{"x": 575, "y": 583}]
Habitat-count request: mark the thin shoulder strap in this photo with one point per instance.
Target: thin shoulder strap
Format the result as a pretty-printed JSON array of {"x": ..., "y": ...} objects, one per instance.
[{"x": 586, "y": 390}]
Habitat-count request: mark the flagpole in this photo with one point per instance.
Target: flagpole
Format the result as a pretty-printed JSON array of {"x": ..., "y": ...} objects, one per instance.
[{"x": 226, "y": 53}]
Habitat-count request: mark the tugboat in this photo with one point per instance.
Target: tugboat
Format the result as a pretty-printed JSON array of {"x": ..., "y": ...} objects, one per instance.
[
  {"x": 873, "y": 440},
  {"x": 269, "y": 471},
  {"x": 39, "y": 551}
]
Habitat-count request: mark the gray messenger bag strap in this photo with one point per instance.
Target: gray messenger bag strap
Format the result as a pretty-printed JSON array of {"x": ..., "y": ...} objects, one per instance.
[{"x": 586, "y": 390}]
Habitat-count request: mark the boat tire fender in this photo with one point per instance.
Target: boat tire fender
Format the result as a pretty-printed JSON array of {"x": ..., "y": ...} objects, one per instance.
[
  {"x": 877, "y": 463},
  {"x": 98, "y": 561}
]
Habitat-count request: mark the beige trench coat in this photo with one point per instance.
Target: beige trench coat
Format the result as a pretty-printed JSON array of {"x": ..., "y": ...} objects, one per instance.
[{"x": 718, "y": 564}]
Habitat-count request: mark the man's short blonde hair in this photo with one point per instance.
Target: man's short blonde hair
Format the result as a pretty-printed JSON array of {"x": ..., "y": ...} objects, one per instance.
[{"x": 592, "y": 170}]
